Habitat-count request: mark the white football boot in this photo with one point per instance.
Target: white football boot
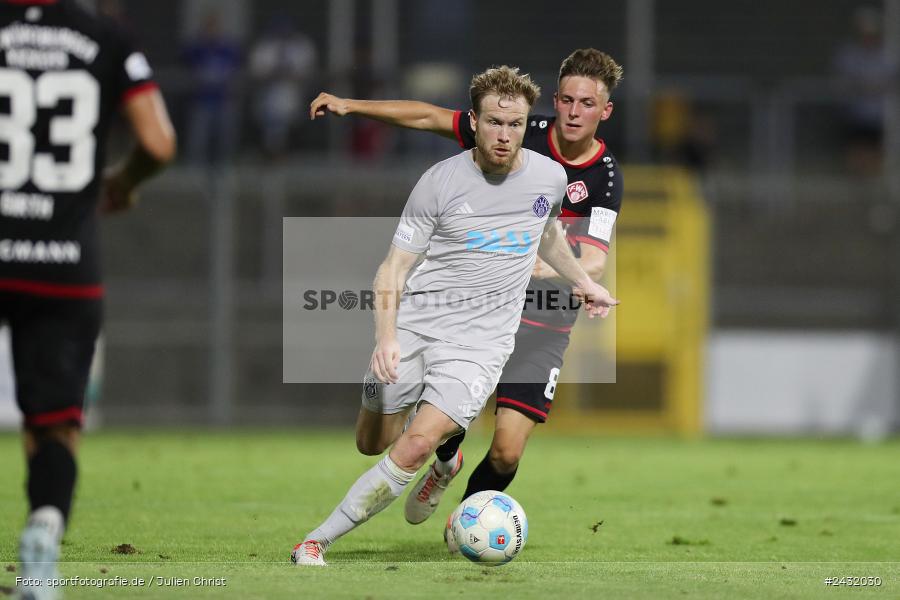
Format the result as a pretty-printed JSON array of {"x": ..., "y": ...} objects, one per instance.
[
  {"x": 425, "y": 496},
  {"x": 39, "y": 551},
  {"x": 309, "y": 553}
]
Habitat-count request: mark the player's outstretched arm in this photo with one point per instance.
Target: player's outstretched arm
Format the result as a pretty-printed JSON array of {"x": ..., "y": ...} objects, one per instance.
[
  {"x": 389, "y": 282},
  {"x": 146, "y": 114},
  {"x": 592, "y": 260},
  {"x": 555, "y": 251},
  {"x": 410, "y": 114}
]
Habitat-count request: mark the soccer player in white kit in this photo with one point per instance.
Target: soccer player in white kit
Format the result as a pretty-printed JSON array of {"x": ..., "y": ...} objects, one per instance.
[{"x": 444, "y": 333}]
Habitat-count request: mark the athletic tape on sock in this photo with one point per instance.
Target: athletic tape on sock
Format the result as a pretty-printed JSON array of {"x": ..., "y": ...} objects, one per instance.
[{"x": 396, "y": 473}]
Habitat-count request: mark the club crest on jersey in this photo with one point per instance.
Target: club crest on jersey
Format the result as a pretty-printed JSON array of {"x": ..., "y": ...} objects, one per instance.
[
  {"x": 576, "y": 191},
  {"x": 541, "y": 207}
]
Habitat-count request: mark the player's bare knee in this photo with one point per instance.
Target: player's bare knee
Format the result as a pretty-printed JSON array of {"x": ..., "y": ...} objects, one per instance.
[
  {"x": 413, "y": 451},
  {"x": 369, "y": 446},
  {"x": 66, "y": 434},
  {"x": 504, "y": 458}
]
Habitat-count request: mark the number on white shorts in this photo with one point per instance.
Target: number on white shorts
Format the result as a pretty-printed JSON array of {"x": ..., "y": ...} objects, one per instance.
[{"x": 478, "y": 388}]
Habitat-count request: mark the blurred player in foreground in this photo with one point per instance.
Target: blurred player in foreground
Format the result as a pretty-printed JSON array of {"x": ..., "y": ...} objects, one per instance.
[
  {"x": 589, "y": 211},
  {"x": 63, "y": 73},
  {"x": 480, "y": 218}
]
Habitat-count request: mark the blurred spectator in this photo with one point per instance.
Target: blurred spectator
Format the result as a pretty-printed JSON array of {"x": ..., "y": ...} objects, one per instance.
[
  {"x": 441, "y": 66},
  {"x": 441, "y": 84},
  {"x": 864, "y": 73},
  {"x": 282, "y": 62},
  {"x": 214, "y": 61},
  {"x": 112, "y": 9},
  {"x": 370, "y": 140},
  {"x": 681, "y": 135}
]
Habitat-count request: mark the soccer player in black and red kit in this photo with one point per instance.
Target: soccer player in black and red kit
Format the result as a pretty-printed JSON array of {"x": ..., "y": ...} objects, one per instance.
[
  {"x": 594, "y": 195},
  {"x": 63, "y": 74}
]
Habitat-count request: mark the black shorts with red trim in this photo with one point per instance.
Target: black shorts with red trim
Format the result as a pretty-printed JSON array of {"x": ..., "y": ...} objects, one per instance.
[
  {"x": 530, "y": 376},
  {"x": 52, "y": 341}
]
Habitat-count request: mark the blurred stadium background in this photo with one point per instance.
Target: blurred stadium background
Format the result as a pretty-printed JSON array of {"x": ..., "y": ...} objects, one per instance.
[{"x": 757, "y": 253}]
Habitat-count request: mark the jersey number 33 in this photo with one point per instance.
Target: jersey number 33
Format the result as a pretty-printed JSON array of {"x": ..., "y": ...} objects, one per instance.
[{"x": 75, "y": 130}]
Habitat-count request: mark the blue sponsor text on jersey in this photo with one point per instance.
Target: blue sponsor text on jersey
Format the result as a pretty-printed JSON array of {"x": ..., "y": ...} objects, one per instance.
[{"x": 510, "y": 242}]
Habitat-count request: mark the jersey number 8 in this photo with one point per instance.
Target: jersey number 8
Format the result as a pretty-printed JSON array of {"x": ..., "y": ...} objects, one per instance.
[
  {"x": 551, "y": 383},
  {"x": 75, "y": 131}
]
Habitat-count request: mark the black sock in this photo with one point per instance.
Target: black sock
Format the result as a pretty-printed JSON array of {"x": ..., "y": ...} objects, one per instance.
[
  {"x": 51, "y": 477},
  {"x": 448, "y": 449},
  {"x": 484, "y": 477}
]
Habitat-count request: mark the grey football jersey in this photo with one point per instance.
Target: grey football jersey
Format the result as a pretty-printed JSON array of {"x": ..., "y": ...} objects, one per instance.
[{"x": 479, "y": 234}]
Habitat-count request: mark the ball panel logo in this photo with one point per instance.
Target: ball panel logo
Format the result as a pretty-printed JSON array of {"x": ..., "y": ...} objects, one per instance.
[
  {"x": 576, "y": 191},
  {"x": 519, "y": 539}
]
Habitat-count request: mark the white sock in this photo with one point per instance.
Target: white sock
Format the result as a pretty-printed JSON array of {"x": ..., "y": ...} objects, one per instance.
[
  {"x": 445, "y": 467},
  {"x": 49, "y": 518},
  {"x": 372, "y": 493}
]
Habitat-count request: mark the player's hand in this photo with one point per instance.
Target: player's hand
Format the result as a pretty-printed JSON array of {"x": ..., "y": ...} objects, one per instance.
[
  {"x": 385, "y": 360},
  {"x": 117, "y": 193},
  {"x": 327, "y": 103},
  {"x": 597, "y": 299}
]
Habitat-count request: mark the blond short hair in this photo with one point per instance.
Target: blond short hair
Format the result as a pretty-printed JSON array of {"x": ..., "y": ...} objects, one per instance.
[
  {"x": 590, "y": 62},
  {"x": 505, "y": 82}
]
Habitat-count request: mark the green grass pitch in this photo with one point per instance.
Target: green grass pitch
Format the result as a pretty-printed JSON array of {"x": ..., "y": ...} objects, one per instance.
[{"x": 609, "y": 517}]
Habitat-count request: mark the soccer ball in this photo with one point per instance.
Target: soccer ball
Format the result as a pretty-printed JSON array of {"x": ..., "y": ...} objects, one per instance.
[{"x": 489, "y": 528}]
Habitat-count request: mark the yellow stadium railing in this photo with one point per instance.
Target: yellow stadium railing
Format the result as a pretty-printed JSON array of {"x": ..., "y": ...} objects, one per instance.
[{"x": 660, "y": 268}]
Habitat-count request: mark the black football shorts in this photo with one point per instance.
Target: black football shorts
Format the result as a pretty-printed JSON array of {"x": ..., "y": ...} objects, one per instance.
[
  {"x": 529, "y": 378},
  {"x": 52, "y": 343}
]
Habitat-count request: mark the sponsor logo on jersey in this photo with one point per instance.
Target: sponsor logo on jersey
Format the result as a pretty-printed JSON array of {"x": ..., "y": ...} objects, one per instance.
[
  {"x": 404, "y": 233},
  {"x": 602, "y": 222},
  {"x": 465, "y": 209},
  {"x": 576, "y": 191},
  {"x": 37, "y": 60},
  {"x": 25, "y": 35},
  {"x": 21, "y": 205},
  {"x": 508, "y": 242},
  {"x": 40, "y": 252},
  {"x": 541, "y": 206}
]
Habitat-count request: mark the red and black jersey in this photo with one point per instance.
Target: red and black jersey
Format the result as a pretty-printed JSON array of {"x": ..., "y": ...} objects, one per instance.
[
  {"x": 589, "y": 212},
  {"x": 63, "y": 74}
]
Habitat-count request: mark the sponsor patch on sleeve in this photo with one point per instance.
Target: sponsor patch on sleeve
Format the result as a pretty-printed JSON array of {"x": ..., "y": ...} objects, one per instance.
[
  {"x": 602, "y": 222},
  {"x": 137, "y": 67},
  {"x": 404, "y": 233}
]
